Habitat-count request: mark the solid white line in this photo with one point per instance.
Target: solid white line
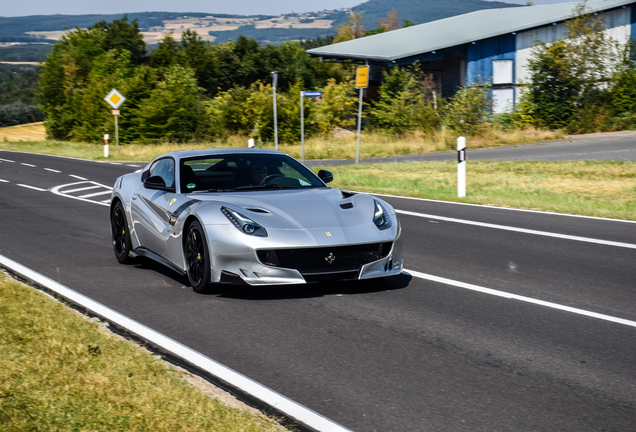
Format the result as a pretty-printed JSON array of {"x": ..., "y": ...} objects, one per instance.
[
  {"x": 511, "y": 296},
  {"x": 96, "y": 194},
  {"x": 134, "y": 166},
  {"x": 521, "y": 230},
  {"x": 29, "y": 165},
  {"x": 77, "y": 177},
  {"x": 4, "y": 181},
  {"x": 503, "y": 208},
  {"x": 294, "y": 410},
  {"x": 32, "y": 187},
  {"x": 80, "y": 189},
  {"x": 107, "y": 202},
  {"x": 52, "y": 170},
  {"x": 7, "y": 160}
]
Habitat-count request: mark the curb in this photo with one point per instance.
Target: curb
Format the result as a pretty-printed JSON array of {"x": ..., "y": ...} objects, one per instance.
[{"x": 253, "y": 393}]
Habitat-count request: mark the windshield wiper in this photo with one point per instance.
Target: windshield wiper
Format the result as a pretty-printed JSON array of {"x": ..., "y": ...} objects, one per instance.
[
  {"x": 265, "y": 186},
  {"x": 211, "y": 190}
]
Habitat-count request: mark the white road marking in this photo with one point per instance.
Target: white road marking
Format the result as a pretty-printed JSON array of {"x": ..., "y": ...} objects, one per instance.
[
  {"x": 57, "y": 191},
  {"x": 115, "y": 163},
  {"x": 29, "y": 165},
  {"x": 295, "y": 411},
  {"x": 520, "y": 230},
  {"x": 52, "y": 170},
  {"x": 80, "y": 189},
  {"x": 134, "y": 166},
  {"x": 32, "y": 187},
  {"x": 6, "y": 160},
  {"x": 503, "y": 208},
  {"x": 77, "y": 177},
  {"x": 511, "y": 296},
  {"x": 4, "y": 181},
  {"x": 96, "y": 194},
  {"x": 105, "y": 202}
]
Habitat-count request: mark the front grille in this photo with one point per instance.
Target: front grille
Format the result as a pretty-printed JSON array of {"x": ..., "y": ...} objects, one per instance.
[{"x": 325, "y": 259}]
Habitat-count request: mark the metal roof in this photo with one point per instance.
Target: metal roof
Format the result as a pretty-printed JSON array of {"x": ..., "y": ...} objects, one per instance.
[{"x": 456, "y": 30}]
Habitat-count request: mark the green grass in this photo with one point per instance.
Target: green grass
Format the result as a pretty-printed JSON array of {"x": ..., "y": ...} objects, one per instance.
[
  {"x": 593, "y": 188},
  {"x": 60, "y": 372}
]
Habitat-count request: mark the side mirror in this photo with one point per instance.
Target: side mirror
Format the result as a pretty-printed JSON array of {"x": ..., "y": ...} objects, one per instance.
[
  {"x": 325, "y": 176},
  {"x": 156, "y": 182}
]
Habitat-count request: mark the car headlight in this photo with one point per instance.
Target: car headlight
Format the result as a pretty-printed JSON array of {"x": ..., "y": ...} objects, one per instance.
[
  {"x": 243, "y": 223},
  {"x": 381, "y": 217}
]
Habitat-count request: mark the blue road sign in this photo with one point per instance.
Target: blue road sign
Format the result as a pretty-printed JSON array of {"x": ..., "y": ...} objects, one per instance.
[{"x": 312, "y": 93}]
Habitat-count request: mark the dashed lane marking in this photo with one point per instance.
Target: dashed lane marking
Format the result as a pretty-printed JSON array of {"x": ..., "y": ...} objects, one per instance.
[
  {"x": 52, "y": 170},
  {"x": 77, "y": 177},
  {"x": 4, "y": 181},
  {"x": 6, "y": 160},
  {"x": 29, "y": 165}
]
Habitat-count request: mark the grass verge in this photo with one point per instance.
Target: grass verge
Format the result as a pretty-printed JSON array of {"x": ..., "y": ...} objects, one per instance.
[
  {"x": 59, "y": 371},
  {"x": 592, "y": 188},
  {"x": 344, "y": 147}
]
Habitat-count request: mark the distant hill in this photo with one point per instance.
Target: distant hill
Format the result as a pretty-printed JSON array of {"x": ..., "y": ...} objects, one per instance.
[{"x": 421, "y": 11}]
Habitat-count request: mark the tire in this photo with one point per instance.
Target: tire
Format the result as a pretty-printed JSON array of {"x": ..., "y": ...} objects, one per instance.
[
  {"x": 120, "y": 234},
  {"x": 197, "y": 258}
]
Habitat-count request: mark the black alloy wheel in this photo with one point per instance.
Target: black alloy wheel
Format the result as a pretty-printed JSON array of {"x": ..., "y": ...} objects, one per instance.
[
  {"x": 197, "y": 258},
  {"x": 120, "y": 234}
]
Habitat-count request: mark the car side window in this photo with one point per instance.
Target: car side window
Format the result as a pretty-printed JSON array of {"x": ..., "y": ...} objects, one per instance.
[{"x": 164, "y": 168}]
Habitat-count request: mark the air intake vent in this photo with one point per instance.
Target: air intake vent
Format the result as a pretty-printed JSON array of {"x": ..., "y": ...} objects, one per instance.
[
  {"x": 257, "y": 210},
  {"x": 346, "y": 205}
]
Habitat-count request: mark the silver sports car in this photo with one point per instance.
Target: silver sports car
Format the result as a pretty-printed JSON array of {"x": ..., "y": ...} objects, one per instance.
[{"x": 251, "y": 216}]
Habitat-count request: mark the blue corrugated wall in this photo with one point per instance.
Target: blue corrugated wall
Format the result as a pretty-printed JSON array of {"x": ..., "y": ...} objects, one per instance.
[{"x": 481, "y": 54}]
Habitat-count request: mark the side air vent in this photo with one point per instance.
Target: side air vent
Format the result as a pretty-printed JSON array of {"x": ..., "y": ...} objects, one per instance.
[
  {"x": 346, "y": 205},
  {"x": 257, "y": 210}
]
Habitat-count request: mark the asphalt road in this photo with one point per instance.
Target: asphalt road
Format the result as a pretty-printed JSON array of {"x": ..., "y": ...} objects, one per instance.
[{"x": 405, "y": 354}]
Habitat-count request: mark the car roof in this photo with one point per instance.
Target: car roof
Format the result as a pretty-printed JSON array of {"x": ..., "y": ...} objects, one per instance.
[{"x": 183, "y": 154}]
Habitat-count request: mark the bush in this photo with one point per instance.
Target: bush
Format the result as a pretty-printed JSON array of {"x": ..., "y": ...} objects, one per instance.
[{"x": 19, "y": 113}]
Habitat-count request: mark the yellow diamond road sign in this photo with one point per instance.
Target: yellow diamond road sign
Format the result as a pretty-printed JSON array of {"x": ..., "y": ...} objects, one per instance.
[{"x": 114, "y": 99}]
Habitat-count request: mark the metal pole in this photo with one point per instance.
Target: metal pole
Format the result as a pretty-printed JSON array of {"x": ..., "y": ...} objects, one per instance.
[
  {"x": 275, "y": 83},
  {"x": 117, "y": 135},
  {"x": 359, "y": 126},
  {"x": 461, "y": 167},
  {"x": 302, "y": 126}
]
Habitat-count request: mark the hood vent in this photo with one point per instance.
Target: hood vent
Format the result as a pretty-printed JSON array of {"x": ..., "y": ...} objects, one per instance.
[
  {"x": 346, "y": 205},
  {"x": 257, "y": 210}
]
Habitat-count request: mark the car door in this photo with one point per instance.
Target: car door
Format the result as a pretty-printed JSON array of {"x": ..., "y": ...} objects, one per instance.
[{"x": 151, "y": 206}]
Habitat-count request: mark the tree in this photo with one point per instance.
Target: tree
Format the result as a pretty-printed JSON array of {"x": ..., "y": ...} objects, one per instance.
[
  {"x": 353, "y": 30},
  {"x": 405, "y": 103},
  {"x": 568, "y": 84},
  {"x": 468, "y": 109}
]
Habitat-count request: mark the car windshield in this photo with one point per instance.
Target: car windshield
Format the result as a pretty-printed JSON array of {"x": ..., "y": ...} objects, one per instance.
[{"x": 239, "y": 172}]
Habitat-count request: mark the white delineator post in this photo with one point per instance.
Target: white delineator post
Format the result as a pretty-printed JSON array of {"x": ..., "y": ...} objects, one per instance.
[
  {"x": 106, "y": 145},
  {"x": 461, "y": 167}
]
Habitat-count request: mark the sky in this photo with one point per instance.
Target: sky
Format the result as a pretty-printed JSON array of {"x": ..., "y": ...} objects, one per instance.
[{"x": 9, "y": 8}]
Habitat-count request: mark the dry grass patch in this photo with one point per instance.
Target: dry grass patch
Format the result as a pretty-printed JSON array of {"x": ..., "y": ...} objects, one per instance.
[{"x": 26, "y": 132}]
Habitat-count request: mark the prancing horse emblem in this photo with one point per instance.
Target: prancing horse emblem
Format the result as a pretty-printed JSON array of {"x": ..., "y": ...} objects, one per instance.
[{"x": 330, "y": 258}]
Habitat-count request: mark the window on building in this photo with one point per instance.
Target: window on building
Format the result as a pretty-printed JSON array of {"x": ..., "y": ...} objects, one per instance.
[{"x": 502, "y": 72}]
